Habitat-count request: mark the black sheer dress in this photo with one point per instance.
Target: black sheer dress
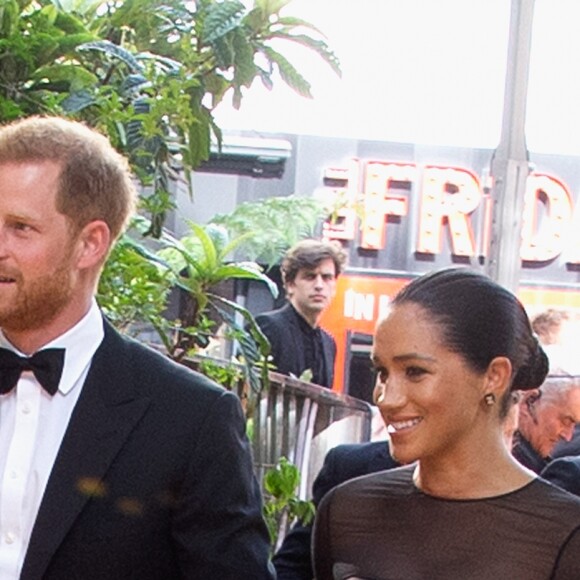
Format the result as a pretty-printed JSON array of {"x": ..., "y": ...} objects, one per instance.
[{"x": 381, "y": 527}]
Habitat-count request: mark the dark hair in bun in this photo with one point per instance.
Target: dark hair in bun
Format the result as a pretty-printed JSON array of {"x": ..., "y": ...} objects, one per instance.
[
  {"x": 480, "y": 320},
  {"x": 533, "y": 374}
]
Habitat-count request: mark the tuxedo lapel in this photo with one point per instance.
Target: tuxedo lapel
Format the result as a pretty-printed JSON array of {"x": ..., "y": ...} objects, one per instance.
[{"x": 106, "y": 413}]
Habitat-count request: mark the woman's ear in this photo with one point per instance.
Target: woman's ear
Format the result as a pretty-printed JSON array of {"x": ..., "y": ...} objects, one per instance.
[{"x": 498, "y": 377}]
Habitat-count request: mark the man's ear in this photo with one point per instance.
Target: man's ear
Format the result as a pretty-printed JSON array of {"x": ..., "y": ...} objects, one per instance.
[
  {"x": 528, "y": 404},
  {"x": 497, "y": 377},
  {"x": 93, "y": 243}
]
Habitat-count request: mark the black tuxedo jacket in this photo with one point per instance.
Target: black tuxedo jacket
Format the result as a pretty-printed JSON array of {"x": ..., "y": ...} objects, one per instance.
[
  {"x": 293, "y": 561},
  {"x": 565, "y": 473},
  {"x": 283, "y": 332},
  {"x": 153, "y": 480}
]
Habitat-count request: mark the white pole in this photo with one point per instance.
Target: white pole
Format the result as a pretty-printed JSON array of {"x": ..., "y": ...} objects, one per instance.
[{"x": 510, "y": 164}]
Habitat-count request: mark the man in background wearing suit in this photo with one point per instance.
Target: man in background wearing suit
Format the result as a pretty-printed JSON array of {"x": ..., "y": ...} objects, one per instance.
[
  {"x": 547, "y": 416},
  {"x": 309, "y": 272},
  {"x": 115, "y": 463},
  {"x": 558, "y": 332}
]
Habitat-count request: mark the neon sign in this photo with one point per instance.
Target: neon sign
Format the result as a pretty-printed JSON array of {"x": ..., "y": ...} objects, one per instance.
[{"x": 378, "y": 191}]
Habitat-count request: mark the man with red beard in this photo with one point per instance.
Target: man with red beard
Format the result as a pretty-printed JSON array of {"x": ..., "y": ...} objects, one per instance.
[{"x": 114, "y": 461}]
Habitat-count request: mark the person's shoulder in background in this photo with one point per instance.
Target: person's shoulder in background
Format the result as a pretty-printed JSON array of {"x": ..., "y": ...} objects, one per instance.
[
  {"x": 565, "y": 473},
  {"x": 348, "y": 461},
  {"x": 293, "y": 560}
]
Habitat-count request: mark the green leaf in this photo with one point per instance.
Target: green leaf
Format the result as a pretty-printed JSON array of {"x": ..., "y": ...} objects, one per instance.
[
  {"x": 266, "y": 78},
  {"x": 76, "y": 102},
  {"x": 224, "y": 52},
  {"x": 248, "y": 271},
  {"x": 114, "y": 51},
  {"x": 253, "y": 344},
  {"x": 256, "y": 20},
  {"x": 70, "y": 42},
  {"x": 207, "y": 244},
  {"x": 234, "y": 243},
  {"x": 271, "y": 7},
  {"x": 288, "y": 73},
  {"x": 198, "y": 143},
  {"x": 318, "y": 46},
  {"x": 50, "y": 13},
  {"x": 282, "y": 480},
  {"x": 244, "y": 67},
  {"x": 78, "y": 77},
  {"x": 9, "y": 17},
  {"x": 69, "y": 23},
  {"x": 216, "y": 85},
  {"x": 219, "y": 237},
  {"x": 221, "y": 18},
  {"x": 297, "y": 22}
]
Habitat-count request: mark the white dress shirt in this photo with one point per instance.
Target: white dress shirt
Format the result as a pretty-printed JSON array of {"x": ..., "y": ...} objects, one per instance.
[{"x": 32, "y": 427}]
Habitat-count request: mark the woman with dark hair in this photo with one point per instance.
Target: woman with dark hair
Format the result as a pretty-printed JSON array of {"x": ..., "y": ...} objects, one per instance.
[{"x": 448, "y": 356}]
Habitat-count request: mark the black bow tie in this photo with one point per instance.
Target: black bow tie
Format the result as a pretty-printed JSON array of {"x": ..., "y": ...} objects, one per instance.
[{"x": 46, "y": 365}]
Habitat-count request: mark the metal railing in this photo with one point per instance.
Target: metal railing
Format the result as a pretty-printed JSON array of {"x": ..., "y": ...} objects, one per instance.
[{"x": 302, "y": 422}]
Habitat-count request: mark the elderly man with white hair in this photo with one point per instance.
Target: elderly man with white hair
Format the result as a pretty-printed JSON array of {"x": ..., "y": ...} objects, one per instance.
[
  {"x": 548, "y": 415},
  {"x": 564, "y": 360}
]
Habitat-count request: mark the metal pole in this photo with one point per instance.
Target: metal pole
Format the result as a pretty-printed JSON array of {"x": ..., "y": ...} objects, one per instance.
[{"x": 510, "y": 162}]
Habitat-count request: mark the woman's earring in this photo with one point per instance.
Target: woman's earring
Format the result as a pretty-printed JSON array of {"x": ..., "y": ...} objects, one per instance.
[{"x": 489, "y": 399}]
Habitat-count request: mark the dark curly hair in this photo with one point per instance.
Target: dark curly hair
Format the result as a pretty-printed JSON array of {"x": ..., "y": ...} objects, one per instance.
[{"x": 308, "y": 254}]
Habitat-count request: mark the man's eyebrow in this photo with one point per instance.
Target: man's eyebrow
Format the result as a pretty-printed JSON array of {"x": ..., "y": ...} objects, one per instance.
[{"x": 23, "y": 217}]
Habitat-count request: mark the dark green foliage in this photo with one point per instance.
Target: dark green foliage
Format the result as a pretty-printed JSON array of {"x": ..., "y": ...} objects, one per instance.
[
  {"x": 144, "y": 71},
  {"x": 280, "y": 485},
  {"x": 133, "y": 290}
]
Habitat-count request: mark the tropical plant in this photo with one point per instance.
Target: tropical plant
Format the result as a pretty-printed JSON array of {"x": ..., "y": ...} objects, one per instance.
[
  {"x": 147, "y": 72},
  {"x": 268, "y": 227},
  {"x": 134, "y": 289},
  {"x": 200, "y": 262}
]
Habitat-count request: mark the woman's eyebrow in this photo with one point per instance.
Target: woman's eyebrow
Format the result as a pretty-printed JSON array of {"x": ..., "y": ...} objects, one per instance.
[{"x": 413, "y": 355}]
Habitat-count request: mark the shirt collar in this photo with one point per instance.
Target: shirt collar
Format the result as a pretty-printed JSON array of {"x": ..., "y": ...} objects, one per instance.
[
  {"x": 80, "y": 342},
  {"x": 303, "y": 323}
]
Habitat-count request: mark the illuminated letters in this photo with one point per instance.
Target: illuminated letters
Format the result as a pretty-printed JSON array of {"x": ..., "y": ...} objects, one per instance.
[
  {"x": 543, "y": 240},
  {"x": 448, "y": 197},
  {"x": 380, "y": 201},
  {"x": 453, "y": 194}
]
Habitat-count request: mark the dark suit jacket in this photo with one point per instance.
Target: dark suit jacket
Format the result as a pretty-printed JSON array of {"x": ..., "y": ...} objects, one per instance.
[
  {"x": 523, "y": 451},
  {"x": 153, "y": 480},
  {"x": 293, "y": 561},
  {"x": 283, "y": 332},
  {"x": 565, "y": 473}
]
